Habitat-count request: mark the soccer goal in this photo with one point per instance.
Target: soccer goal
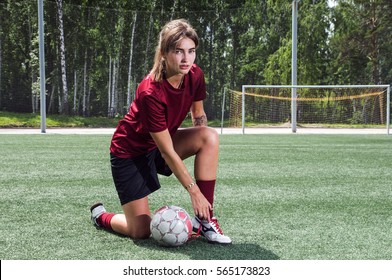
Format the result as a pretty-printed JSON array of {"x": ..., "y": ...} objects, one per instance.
[{"x": 343, "y": 106}]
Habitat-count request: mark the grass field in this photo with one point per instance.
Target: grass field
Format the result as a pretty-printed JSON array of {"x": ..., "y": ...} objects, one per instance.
[{"x": 302, "y": 197}]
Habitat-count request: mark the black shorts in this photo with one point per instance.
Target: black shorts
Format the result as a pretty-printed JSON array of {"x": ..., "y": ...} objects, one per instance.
[{"x": 137, "y": 177}]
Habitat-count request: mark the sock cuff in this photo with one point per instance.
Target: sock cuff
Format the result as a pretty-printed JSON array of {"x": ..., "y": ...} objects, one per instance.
[{"x": 105, "y": 219}]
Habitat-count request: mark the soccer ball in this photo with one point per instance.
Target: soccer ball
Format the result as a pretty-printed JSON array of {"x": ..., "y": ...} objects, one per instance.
[{"x": 171, "y": 226}]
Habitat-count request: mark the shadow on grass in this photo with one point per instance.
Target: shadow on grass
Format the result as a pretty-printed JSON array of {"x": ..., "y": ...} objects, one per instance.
[{"x": 200, "y": 249}]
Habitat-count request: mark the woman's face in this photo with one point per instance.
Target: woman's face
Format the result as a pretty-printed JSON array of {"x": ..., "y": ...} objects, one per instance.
[{"x": 180, "y": 60}]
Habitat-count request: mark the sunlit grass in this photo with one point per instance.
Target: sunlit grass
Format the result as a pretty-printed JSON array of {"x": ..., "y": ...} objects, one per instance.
[{"x": 14, "y": 120}]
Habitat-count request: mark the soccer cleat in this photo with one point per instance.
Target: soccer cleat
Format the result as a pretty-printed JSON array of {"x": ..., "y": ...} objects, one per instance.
[
  {"x": 210, "y": 230},
  {"x": 96, "y": 211}
]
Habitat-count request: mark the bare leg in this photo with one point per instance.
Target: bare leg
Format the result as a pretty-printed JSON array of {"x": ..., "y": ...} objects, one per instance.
[
  {"x": 135, "y": 222},
  {"x": 203, "y": 142}
]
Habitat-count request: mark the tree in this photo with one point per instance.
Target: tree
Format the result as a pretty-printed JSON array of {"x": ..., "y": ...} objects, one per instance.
[
  {"x": 241, "y": 42},
  {"x": 314, "y": 27},
  {"x": 362, "y": 32},
  {"x": 64, "y": 108},
  {"x": 129, "y": 83},
  {"x": 16, "y": 60},
  {"x": 1, "y": 60}
]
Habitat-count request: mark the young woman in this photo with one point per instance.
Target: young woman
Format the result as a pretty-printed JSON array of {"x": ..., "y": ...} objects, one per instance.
[{"x": 148, "y": 141}]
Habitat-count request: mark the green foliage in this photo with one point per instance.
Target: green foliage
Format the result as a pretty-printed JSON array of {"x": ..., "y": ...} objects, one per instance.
[
  {"x": 278, "y": 71},
  {"x": 241, "y": 42},
  {"x": 360, "y": 43}
]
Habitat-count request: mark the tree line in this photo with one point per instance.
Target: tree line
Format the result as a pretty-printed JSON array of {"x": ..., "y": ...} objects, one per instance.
[{"x": 97, "y": 52}]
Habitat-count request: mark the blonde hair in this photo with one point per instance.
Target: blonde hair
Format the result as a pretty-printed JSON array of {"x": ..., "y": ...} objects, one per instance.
[{"x": 169, "y": 37}]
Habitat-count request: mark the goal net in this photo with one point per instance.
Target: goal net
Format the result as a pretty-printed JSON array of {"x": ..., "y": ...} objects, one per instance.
[{"x": 315, "y": 106}]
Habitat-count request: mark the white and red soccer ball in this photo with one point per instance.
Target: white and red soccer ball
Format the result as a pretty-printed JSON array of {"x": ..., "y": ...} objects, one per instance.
[{"x": 171, "y": 226}]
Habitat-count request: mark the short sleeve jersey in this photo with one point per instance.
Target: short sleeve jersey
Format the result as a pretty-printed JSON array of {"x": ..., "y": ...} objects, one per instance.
[{"x": 157, "y": 106}]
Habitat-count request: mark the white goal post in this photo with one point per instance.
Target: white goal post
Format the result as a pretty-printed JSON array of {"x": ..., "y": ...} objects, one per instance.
[{"x": 315, "y": 105}]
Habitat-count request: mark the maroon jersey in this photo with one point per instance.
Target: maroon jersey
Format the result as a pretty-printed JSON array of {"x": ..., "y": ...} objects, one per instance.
[{"x": 156, "y": 107}]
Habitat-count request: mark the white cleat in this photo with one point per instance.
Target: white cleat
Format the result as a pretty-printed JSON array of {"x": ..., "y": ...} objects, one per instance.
[
  {"x": 96, "y": 211},
  {"x": 210, "y": 230}
]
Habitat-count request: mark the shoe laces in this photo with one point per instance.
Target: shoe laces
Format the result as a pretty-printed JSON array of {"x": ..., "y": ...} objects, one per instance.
[
  {"x": 197, "y": 234},
  {"x": 215, "y": 225}
]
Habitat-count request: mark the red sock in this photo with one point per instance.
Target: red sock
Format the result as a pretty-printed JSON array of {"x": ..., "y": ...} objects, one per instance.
[
  {"x": 104, "y": 220},
  {"x": 207, "y": 188}
]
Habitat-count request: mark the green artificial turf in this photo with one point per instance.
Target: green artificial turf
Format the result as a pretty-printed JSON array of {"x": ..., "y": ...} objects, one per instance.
[{"x": 287, "y": 197}]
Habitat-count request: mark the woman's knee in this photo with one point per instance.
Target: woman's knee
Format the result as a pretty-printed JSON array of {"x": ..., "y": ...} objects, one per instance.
[
  {"x": 210, "y": 136},
  {"x": 138, "y": 218},
  {"x": 140, "y": 227}
]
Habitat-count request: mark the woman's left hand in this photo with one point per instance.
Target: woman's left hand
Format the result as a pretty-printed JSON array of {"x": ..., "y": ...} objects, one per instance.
[{"x": 200, "y": 204}]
